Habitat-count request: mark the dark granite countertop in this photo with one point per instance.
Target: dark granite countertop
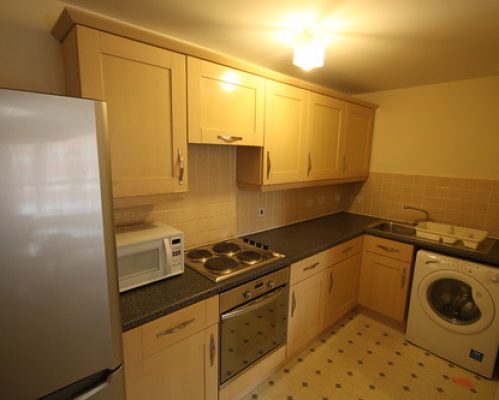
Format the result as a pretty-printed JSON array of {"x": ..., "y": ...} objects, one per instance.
[{"x": 296, "y": 241}]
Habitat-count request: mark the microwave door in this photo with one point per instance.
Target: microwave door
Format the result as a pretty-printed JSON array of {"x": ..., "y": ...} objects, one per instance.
[{"x": 141, "y": 263}]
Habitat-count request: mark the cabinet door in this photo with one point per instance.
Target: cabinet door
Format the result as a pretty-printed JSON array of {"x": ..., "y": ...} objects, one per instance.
[
  {"x": 285, "y": 124},
  {"x": 384, "y": 284},
  {"x": 358, "y": 136},
  {"x": 187, "y": 370},
  {"x": 306, "y": 311},
  {"x": 226, "y": 106},
  {"x": 342, "y": 288},
  {"x": 324, "y": 137},
  {"x": 144, "y": 88}
]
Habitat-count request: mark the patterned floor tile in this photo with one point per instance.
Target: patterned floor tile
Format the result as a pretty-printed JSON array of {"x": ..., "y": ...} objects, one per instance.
[{"x": 362, "y": 359}]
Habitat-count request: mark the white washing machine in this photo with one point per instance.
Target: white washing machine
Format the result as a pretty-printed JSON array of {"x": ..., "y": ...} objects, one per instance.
[{"x": 454, "y": 309}]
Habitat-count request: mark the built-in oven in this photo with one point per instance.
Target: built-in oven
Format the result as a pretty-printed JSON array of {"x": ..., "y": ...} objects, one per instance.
[{"x": 253, "y": 322}]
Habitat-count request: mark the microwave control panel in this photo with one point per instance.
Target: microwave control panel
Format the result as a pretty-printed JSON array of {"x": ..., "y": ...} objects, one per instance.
[{"x": 177, "y": 246}]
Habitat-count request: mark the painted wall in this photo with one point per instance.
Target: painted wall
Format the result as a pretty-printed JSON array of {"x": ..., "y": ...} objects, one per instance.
[
  {"x": 448, "y": 129},
  {"x": 31, "y": 57}
]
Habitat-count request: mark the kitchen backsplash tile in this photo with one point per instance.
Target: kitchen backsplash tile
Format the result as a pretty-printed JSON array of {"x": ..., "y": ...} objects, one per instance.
[
  {"x": 215, "y": 209},
  {"x": 468, "y": 202}
]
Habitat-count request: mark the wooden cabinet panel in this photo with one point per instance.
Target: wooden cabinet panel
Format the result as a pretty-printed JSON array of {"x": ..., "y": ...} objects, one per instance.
[
  {"x": 306, "y": 312},
  {"x": 324, "y": 137},
  {"x": 359, "y": 122},
  {"x": 144, "y": 88},
  {"x": 184, "y": 367},
  {"x": 342, "y": 281},
  {"x": 389, "y": 248},
  {"x": 285, "y": 125},
  {"x": 226, "y": 106},
  {"x": 346, "y": 249},
  {"x": 384, "y": 285},
  {"x": 309, "y": 266}
]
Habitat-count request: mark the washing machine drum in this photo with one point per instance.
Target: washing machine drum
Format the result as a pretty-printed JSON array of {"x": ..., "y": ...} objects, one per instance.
[
  {"x": 452, "y": 299},
  {"x": 456, "y": 301}
]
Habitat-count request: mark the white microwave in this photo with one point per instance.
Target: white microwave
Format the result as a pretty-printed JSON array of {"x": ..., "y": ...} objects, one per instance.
[{"x": 147, "y": 254}]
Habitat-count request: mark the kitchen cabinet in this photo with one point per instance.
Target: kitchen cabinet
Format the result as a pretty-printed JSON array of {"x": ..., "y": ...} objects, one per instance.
[
  {"x": 144, "y": 88},
  {"x": 174, "y": 357},
  {"x": 385, "y": 277},
  {"x": 324, "y": 138},
  {"x": 309, "y": 138},
  {"x": 342, "y": 280},
  {"x": 306, "y": 305},
  {"x": 358, "y": 133},
  {"x": 280, "y": 161},
  {"x": 226, "y": 106}
]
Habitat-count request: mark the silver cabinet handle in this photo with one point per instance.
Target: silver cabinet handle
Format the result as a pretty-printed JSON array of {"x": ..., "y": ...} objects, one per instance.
[
  {"x": 402, "y": 283},
  {"x": 212, "y": 350},
  {"x": 347, "y": 249},
  {"x": 311, "y": 266},
  {"x": 331, "y": 281},
  {"x": 388, "y": 249},
  {"x": 293, "y": 304},
  {"x": 431, "y": 262},
  {"x": 177, "y": 328},
  {"x": 309, "y": 163},
  {"x": 229, "y": 139},
  {"x": 181, "y": 168},
  {"x": 269, "y": 165}
]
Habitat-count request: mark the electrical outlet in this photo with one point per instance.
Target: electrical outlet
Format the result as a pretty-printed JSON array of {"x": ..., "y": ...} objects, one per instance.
[
  {"x": 310, "y": 203},
  {"x": 321, "y": 200},
  {"x": 261, "y": 212},
  {"x": 357, "y": 199}
]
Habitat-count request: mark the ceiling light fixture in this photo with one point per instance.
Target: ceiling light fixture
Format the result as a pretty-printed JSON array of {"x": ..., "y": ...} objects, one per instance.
[{"x": 309, "y": 49}]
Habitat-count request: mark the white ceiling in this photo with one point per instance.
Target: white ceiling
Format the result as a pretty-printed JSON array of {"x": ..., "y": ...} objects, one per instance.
[{"x": 381, "y": 44}]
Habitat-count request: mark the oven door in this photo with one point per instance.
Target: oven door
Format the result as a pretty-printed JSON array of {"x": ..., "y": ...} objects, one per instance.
[{"x": 251, "y": 330}]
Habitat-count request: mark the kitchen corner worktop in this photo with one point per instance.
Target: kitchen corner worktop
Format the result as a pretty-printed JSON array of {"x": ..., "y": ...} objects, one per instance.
[{"x": 296, "y": 241}]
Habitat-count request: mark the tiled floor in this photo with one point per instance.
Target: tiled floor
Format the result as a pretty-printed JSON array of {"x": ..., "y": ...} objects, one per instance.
[{"x": 361, "y": 359}]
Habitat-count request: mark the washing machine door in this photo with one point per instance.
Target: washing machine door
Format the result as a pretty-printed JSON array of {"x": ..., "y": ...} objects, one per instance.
[{"x": 456, "y": 301}]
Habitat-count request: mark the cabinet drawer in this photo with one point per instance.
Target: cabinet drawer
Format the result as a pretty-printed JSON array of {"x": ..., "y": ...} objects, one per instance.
[
  {"x": 309, "y": 266},
  {"x": 172, "y": 328},
  {"x": 389, "y": 248},
  {"x": 345, "y": 250}
]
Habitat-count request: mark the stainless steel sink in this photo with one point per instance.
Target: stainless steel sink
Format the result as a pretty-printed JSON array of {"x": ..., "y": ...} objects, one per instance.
[{"x": 395, "y": 228}]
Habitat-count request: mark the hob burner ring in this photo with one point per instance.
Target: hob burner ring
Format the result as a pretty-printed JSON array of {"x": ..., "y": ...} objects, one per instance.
[{"x": 221, "y": 265}]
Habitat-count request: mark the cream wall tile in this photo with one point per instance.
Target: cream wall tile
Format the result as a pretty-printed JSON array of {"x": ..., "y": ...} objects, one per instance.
[{"x": 468, "y": 202}]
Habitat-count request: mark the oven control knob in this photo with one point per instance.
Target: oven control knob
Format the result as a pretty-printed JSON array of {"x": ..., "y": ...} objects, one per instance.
[
  {"x": 271, "y": 284},
  {"x": 247, "y": 295}
]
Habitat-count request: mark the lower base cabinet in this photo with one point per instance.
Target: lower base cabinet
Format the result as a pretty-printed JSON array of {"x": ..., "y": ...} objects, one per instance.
[
  {"x": 306, "y": 312},
  {"x": 174, "y": 357},
  {"x": 342, "y": 288},
  {"x": 385, "y": 277}
]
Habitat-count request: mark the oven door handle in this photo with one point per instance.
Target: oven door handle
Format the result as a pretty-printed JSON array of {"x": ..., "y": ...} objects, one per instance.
[{"x": 253, "y": 305}]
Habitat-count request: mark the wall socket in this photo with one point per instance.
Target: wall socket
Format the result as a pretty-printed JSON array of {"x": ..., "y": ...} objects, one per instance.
[{"x": 261, "y": 212}]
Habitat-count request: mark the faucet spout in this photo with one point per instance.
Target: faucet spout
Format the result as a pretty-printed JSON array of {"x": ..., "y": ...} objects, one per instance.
[{"x": 425, "y": 212}]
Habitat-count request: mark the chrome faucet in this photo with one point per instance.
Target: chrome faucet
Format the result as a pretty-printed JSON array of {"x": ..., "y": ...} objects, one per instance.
[{"x": 426, "y": 213}]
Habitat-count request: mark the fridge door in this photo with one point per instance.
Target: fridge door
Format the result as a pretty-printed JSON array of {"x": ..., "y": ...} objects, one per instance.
[{"x": 59, "y": 315}]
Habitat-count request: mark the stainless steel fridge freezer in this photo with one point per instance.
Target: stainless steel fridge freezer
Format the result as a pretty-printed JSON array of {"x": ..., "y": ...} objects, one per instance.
[{"x": 60, "y": 330}]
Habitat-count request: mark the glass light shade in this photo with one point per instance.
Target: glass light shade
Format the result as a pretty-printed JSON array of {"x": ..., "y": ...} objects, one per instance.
[{"x": 308, "y": 54}]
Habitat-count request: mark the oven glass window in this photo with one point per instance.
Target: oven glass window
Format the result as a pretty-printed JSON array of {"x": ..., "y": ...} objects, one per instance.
[
  {"x": 246, "y": 336},
  {"x": 452, "y": 300}
]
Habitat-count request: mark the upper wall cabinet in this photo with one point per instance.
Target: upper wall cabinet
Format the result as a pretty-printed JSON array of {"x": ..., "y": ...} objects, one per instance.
[
  {"x": 358, "y": 137},
  {"x": 324, "y": 137},
  {"x": 226, "y": 106},
  {"x": 285, "y": 127},
  {"x": 144, "y": 88},
  {"x": 281, "y": 159}
]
